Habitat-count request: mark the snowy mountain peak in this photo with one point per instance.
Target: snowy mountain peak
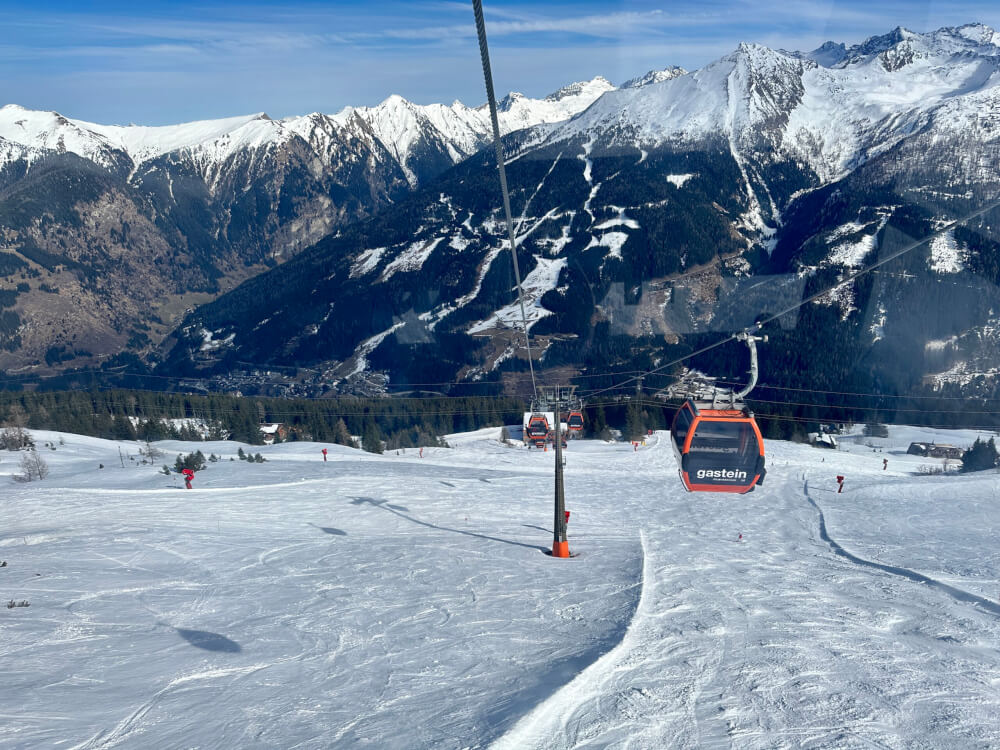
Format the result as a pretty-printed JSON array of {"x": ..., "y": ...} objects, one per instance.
[
  {"x": 654, "y": 76},
  {"x": 50, "y": 131},
  {"x": 976, "y": 37},
  {"x": 395, "y": 100},
  {"x": 505, "y": 104},
  {"x": 901, "y": 46},
  {"x": 518, "y": 111},
  {"x": 828, "y": 54},
  {"x": 222, "y": 137},
  {"x": 827, "y": 109},
  {"x": 433, "y": 134},
  {"x": 979, "y": 33},
  {"x": 768, "y": 87},
  {"x": 592, "y": 88},
  {"x": 764, "y": 68},
  {"x": 875, "y": 44},
  {"x": 759, "y": 54}
]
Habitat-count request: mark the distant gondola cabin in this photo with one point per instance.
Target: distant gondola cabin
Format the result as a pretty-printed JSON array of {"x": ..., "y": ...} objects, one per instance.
[{"x": 537, "y": 426}]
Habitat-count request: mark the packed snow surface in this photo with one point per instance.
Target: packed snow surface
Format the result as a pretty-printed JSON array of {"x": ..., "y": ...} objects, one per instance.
[
  {"x": 412, "y": 258},
  {"x": 946, "y": 255},
  {"x": 367, "y": 261},
  {"x": 542, "y": 278},
  {"x": 396, "y": 601},
  {"x": 678, "y": 180}
]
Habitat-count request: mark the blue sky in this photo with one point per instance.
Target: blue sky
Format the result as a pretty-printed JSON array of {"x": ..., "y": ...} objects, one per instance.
[{"x": 153, "y": 62}]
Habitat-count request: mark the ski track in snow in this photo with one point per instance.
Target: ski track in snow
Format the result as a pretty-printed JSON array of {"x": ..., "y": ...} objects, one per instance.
[
  {"x": 527, "y": 203},
  {"x": 588, "y": 165},
  {"x": 550, "y": 719},
  {"x": 129, "y": 724},
  {"x": 911, "y": 575},
  {"x": 695, "y": 682}
]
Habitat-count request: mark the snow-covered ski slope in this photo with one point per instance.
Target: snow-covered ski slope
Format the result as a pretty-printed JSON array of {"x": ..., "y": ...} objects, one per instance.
[{"x": 404, "y": 602}]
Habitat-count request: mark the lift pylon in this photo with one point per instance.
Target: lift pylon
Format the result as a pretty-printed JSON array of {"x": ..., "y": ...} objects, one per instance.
[{"x": 558, "y": 398}]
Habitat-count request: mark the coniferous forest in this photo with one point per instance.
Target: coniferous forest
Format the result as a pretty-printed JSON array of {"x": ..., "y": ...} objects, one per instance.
[
  {"x": 395, "y": 423},
  {"x": 148, "y": 415}
]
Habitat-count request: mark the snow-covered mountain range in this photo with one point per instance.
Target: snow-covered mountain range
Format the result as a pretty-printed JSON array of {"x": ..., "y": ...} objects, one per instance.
[
  {"x": 795, "y": 165},
  {"x": 403, "y": 129},
  {"x": 206, "y": 202},
  {"x": 798, "y": 166},
  {"x": 825, "y": 113}
]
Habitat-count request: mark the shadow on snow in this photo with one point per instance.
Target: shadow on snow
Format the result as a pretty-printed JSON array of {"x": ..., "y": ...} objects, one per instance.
[
  {"x": 329, "y": 530},
  {"x": 393, "y": 509},
  {"x": 209, "y": 641}
]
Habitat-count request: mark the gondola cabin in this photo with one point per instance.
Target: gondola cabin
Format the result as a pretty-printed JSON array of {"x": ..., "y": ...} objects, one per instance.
[
  {"x": 574, "y": 422},
  {"x": 537, "y": 426},
  {"x": 718, "y": 450}
]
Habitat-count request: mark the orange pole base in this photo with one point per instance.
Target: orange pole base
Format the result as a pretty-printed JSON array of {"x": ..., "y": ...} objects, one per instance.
[{"x": 560, "y": 549}]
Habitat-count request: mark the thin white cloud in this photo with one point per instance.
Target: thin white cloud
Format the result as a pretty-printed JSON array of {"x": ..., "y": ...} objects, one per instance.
[
  {"x": 607, "y": 25},
  {"x": 290, "y": 60}
]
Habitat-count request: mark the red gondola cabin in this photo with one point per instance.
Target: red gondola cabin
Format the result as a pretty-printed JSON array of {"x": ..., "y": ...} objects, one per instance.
[
  {"x": 537, "y": 428},
  {"x": 718, "y": 450}
]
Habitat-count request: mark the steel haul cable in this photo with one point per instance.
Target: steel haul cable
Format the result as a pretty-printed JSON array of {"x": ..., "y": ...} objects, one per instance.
[{"x": 484, "y": 53}]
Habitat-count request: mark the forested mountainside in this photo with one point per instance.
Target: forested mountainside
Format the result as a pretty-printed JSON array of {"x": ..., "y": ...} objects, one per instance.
[
  {"x": 667, "y": 216},
  {"x": 107, "y": 233}
]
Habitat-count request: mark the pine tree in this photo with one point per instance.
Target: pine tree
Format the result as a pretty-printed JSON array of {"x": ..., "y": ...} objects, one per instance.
[
  {"x": 194, "y": 461},
  {"x": 150, "y": 452},
  {"x": 371, "y": 439},
  {"x": 633, "y": 422},
  {"x": 341, "y": 436},
  {"x": 123, "y": 429},
  {"x": 599, "y": 424},
  {"x": 982, "y": 455}
]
